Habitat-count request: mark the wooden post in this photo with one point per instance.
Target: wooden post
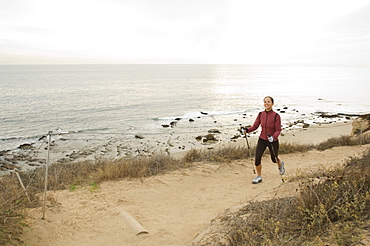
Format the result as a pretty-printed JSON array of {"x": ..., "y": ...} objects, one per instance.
[
  {"x": 46, "y": 175},
  {"x": 20, "y": 181},
  {"x": 139, "y": 229}
]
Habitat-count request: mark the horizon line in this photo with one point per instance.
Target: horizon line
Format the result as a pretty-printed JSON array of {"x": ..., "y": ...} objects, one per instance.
[{"x": 233, "y": 64}]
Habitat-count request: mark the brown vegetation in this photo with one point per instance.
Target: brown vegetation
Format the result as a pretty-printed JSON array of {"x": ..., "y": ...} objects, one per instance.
[{"x": 333, "y": 208}]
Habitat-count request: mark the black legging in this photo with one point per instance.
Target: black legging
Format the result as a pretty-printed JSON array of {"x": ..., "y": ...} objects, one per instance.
[{"x": 260, "y": 149}]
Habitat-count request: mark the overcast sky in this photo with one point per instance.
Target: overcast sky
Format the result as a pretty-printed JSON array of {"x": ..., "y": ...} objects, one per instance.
[{"x": 291, "y": 32}]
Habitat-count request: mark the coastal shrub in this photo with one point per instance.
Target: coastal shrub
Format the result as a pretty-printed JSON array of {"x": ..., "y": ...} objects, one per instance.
[
  {"x": 12, "y": 204},
  {"x": 262, "y": 223},
  {"x": 228, "y": 153},
  {"x": 161, "y": 163},
  {"x": 61, "y": 175},
  {"x": 220, "y": 154},
  {"x": 123, "y": 168},
  {"x": 136, "y": 167},
  {"x": 343, "y": 141},
  {"x": 287, "y": 148},
  {"x": 332, "y": 209},
  {"x": 235, "y": 152},
  {"x": 334, "y": 142},
  {"x": 193, "y": 155}
]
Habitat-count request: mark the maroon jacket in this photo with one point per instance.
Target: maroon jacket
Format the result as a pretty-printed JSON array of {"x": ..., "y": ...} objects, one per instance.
[{"x": 270, "y": 122}]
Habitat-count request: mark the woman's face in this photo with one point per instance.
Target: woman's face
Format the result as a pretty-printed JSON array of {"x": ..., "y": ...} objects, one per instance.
[{"x": 267, "y": 102}]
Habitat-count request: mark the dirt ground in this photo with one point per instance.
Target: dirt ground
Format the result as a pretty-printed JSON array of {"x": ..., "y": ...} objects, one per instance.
[{"x": 173, "y": 208}]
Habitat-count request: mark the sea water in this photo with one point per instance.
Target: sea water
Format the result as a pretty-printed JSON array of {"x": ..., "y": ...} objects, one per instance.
[{"x": 144, "y": 99}]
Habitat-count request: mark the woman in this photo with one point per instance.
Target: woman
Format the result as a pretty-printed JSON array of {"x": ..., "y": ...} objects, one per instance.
[{"x": 271, "y": 127}]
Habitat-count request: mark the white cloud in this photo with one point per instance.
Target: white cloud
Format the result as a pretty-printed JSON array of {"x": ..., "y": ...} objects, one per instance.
[{"x": 178, "y": 31}]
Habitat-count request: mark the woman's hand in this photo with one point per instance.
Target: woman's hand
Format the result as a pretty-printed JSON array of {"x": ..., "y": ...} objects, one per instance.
[{"x": 271, "y": 139}]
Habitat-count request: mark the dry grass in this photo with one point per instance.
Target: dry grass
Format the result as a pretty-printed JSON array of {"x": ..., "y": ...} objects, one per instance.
[
  {"x": 343, "y": 141},
  {"x": 224, "y": 154},
  {"x": 331, "y": 210},
  {"x": 287, "y": 148},
  {"x": 13, "y": 201},
  {"x": 235, "y": 152},
  {"x": 136, "y": 167},
  {"x": 12, "y": 204}
]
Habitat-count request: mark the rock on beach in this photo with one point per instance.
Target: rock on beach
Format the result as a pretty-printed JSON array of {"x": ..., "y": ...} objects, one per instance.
[{"x": 31, "y": 155}]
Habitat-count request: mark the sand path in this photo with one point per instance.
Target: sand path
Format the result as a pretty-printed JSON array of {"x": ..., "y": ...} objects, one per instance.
[{"x": 173, "y": 208}]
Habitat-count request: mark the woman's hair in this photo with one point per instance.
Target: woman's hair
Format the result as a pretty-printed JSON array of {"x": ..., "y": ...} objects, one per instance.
[{"x": 272, "y": 99}]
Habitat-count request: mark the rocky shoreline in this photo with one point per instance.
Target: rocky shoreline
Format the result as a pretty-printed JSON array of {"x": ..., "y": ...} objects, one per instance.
[{"x": 65, "y": 148}]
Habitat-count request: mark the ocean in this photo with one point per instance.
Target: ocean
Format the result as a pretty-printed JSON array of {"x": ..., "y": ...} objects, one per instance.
[{"x": 129, "y": 100}]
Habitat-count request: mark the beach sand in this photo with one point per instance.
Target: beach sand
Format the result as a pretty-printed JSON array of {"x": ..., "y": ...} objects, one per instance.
[
  {"x": 175, "y": 207},
  {"x": 316, "y": 134}
]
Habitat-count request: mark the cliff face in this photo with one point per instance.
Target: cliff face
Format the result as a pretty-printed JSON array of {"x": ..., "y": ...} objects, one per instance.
[{"x": 361, "y": 125}]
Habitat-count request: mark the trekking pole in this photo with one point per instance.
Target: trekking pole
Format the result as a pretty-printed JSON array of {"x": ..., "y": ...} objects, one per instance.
[
  {"x": 249, "y": 151},
  {"x": 276, "y": 159},
  {"x": 249, "y": 148}
]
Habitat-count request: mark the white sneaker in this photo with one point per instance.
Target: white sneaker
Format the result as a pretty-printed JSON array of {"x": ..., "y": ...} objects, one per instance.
[
  {"x": 257, "y": 180},
  {"x": 282, "y": 168}
]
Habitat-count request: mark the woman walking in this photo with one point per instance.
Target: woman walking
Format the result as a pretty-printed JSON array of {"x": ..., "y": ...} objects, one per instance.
[{"x": 270, "y": 122}]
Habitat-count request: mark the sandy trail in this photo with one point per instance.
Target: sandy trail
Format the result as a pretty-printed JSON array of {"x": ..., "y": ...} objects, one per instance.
[{"x": 174, "y": 207}]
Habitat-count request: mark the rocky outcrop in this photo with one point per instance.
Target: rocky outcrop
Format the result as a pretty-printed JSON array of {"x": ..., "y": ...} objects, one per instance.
[
  {"x": 207, "y": 138},
  {"x": 25, "y": 146},
  {"x": 214, "y": 131},
  {"x": 361, "y": 125},
  {"x": 338, "y": 115},
  {"x": 139, "y": 136},
  {"x": 300, "y": 123},
  {"x": 17, "y": 158}
]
